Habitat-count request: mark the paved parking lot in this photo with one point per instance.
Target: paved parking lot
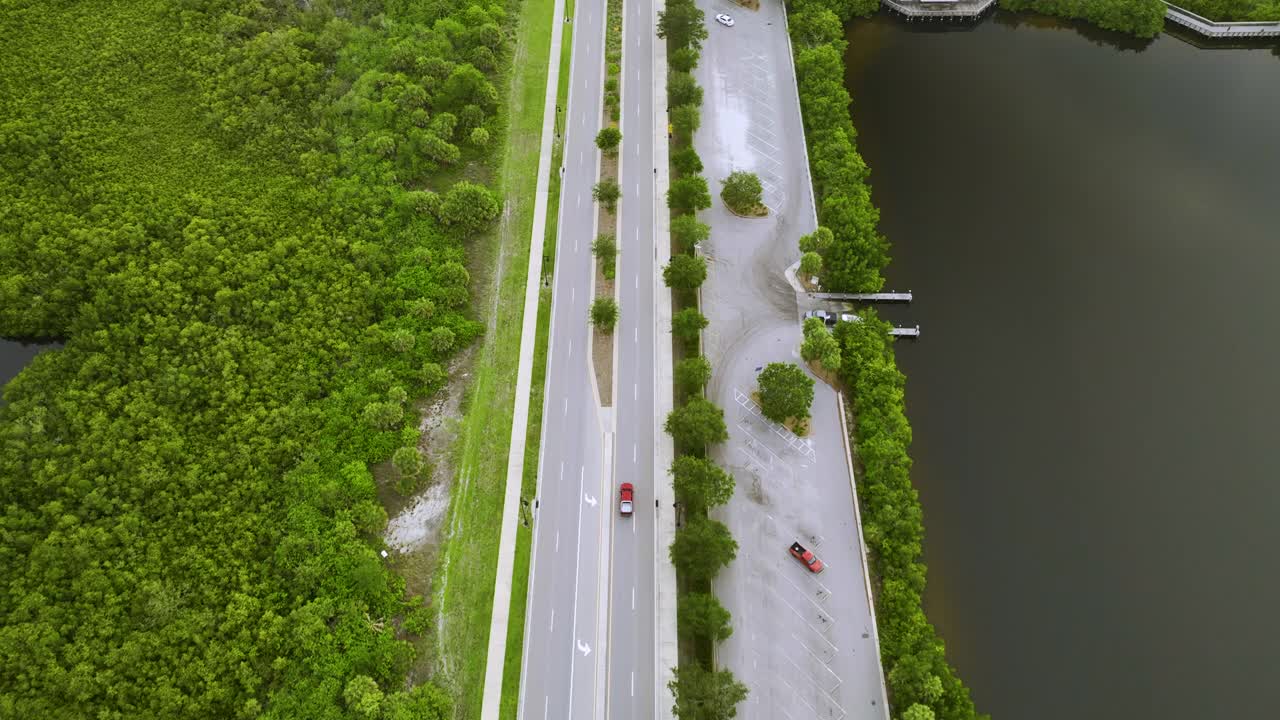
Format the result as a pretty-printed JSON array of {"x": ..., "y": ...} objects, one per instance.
[{"x": 803, "y": 643}]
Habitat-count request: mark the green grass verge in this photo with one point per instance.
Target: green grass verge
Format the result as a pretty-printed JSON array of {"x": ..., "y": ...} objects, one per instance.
[
  {"x": 529, "y": 487},
  {"x": 465, "y": 577}
]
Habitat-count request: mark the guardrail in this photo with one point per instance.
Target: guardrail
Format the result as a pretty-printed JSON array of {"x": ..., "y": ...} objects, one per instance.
[{"x": 1213, "y": 29}]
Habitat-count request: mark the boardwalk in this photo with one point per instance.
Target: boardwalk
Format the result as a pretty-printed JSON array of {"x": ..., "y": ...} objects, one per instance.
[
  {"x": 1209, "y": 28},
  {"x": 877, "y": 297},
  {"x": 940, "y": 9}
]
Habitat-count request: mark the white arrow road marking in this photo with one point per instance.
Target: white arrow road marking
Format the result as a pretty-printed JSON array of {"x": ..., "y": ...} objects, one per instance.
[
  {"x": 584, "y": 648},
  {"x": 590, "y": 500}
]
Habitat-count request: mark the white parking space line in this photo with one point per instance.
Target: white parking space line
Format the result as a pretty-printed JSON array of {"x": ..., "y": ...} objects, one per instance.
[
  {"x": 633, "y": 683},
  {"x": 633, "y": 597},
  {"x": 553, "y": 619}
]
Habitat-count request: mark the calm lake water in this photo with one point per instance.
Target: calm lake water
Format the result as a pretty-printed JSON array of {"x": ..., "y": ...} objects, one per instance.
[
  {"x": 15, "y": 355},
  {"x": 1092, "y": 232}
]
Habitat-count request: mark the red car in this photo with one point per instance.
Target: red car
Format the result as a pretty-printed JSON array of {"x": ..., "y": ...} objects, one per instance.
[
  {"x": 625, "y": 496},
  {"x": 810, "y": 560}
]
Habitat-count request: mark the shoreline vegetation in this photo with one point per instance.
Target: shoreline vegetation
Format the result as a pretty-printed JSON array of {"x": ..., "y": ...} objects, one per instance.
[
  {"x": 252, "y": 221},
  {"x": 920, "y": 682},
  {"x": 1145, "y": 18}
]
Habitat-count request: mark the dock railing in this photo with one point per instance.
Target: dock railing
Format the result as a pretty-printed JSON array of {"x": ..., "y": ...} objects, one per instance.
[{"x": 1214, "y": 29}]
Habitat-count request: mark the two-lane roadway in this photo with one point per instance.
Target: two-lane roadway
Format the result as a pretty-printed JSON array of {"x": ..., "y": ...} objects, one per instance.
[
  {"x": 632, "y": 636},
  {"x": 563, "y": 647}
]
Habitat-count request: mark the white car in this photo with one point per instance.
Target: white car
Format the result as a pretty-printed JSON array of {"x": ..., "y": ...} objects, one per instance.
[{"x": 725, "y": 20}]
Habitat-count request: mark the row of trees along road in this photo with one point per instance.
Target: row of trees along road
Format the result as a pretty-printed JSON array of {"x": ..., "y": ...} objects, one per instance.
[
  {"x": 249, "y": 221},
  {"x": 850, "y": 254},
  {"x": 702, "y": 545}
]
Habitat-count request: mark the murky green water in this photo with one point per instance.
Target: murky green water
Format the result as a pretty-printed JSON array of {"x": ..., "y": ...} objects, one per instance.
[{"x": 1093, "y": 235}]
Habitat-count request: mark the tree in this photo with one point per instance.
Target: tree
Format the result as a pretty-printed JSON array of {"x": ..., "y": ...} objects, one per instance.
[
  {"x": 607, "y": 192},
  {"x": 683, "y": 23},
  {"x": 918, "y": 712},
  {"x": 820, "y": 345},
  {"x": 685, "y": 272},
  {"x": 705, "y": 694},
  {"x": 363, "y": 696},
  {"x": 605, "y": 248},
  {"x": 689, "y": 194},
  {"x": 468, "y": 207},
  {"x": 682, "y": 89},
  {"x": 687, "y": 324},
  {"x": 700, "y": 483},
  {"x": 702, "y": 615},
  {"x": 686, "y": 161},
  {"x": 607, "y": 140},
  {"x": 818, "y": 241},
  {"x": 742, "y": 191},
  {"x": 686, "y": 119},
  {"x": 810, "y": 263},
  {"x": 687, "y": 231},
  {"x": 604, "y": 314},
  {"x": 701, "y": 547},
  {"x": 480, "y": 137},
  {"x": 692, "y": 374},
  {"x": 407, "y": 462},
  {"x": 785, "y": 392},
  {"x": 697, "y": 423},
  {"x": 683, "y": 59}
]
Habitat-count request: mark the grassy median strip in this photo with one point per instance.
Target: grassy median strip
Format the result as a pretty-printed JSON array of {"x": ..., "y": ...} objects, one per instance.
[
  {"x": 529, "y": 486},
  {"x": 465, "y": 577}
]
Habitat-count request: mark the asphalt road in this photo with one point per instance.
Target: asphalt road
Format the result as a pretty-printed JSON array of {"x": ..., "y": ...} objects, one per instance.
[
  {"x": 561, "y": 676},
  {"x": 632, "y": 632},
  {"x": 803, "y": 643}
]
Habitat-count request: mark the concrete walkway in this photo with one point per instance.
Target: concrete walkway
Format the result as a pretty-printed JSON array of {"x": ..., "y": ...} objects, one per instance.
[
  {"x": 500, "y": 615},
  {"x": 667, "y": 655}
]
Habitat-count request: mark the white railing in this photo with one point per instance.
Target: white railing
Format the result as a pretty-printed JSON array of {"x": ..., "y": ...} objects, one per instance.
[
  {"x": 1211, "y": 28},
  {"x": 940, "y": 8}
]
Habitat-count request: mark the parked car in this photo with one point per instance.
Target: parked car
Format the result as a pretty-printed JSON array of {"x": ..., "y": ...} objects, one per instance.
[
  {"x": 626, "y": 496},
  {"x": 807, "y": 557},
  {"x": 823, "y": 315},
  {"x": 725, "y": 20},
  {"x": 830, "y": 318}
]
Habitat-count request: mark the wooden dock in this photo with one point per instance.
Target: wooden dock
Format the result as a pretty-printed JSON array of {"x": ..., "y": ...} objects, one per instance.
[
  {"x": 906, "y": 332},
  {"x": 876, "y": 297}
]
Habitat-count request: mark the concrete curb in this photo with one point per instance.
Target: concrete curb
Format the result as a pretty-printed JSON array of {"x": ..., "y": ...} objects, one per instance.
[
  {"x": 666, "y": 655},
  {"x": 795, "y": 88},
  {"x": 862, "y": 545},
  {"x": 500, "y": 616}
]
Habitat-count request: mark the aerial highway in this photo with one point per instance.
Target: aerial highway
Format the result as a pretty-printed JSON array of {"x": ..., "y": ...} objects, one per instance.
[
  {"x": 631, "y": 641},
  {"x": 561, "y": 675}
]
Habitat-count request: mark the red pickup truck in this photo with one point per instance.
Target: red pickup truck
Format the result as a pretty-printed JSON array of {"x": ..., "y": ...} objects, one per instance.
[{"x": 807, "y": 557}]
